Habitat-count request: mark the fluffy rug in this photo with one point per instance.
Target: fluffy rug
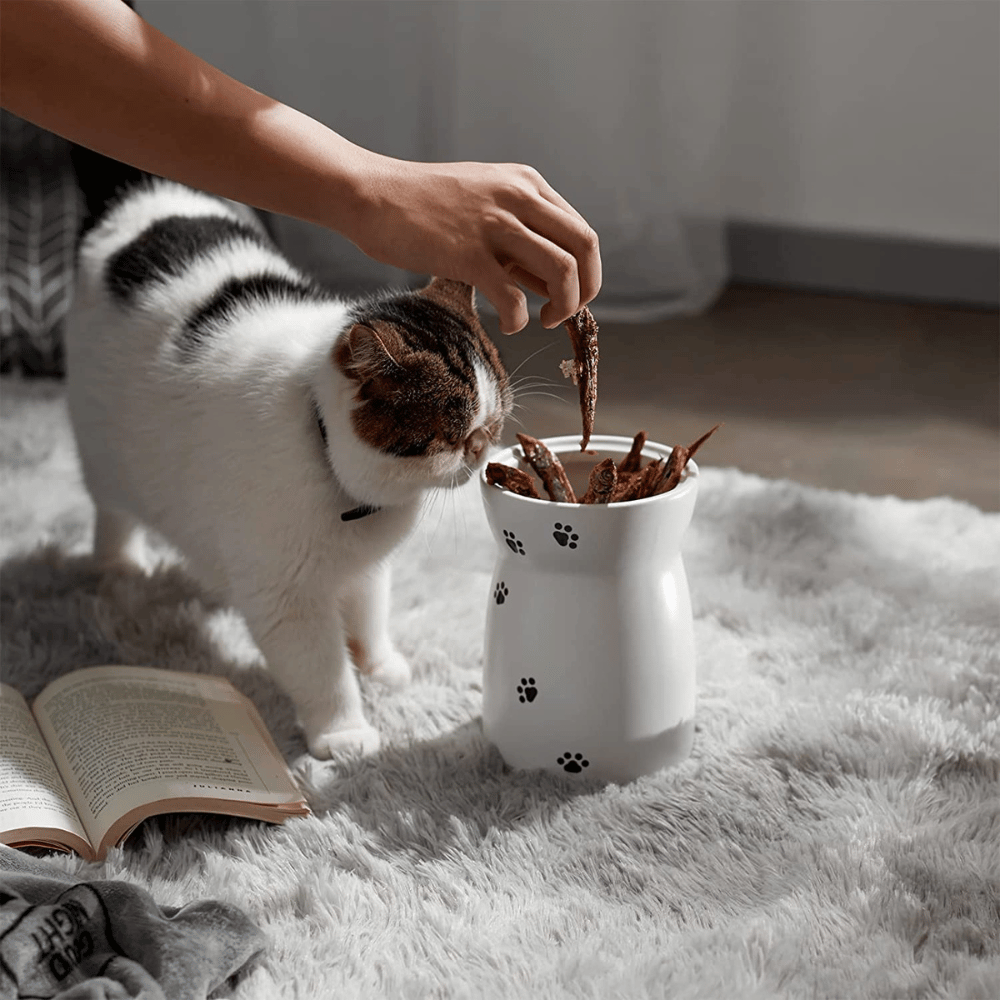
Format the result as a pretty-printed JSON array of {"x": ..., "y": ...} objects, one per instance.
[{"x": 835, "y": 834}]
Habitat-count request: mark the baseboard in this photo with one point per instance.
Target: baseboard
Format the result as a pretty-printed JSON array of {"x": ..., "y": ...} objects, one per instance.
[{"x": 852, "y": 263}]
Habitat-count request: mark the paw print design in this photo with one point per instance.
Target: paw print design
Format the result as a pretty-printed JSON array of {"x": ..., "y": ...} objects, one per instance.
[
  {"x": 512, "y": 543},
  {"x": 526, "y": 690},
  {"x": 572, "y": 762},
  {"x": 564, "y": 535},
  {"x": 501, "y": 592}
]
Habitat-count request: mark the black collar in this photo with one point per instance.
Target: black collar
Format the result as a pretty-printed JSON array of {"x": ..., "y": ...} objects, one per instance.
[{"x": 363, "y": 510}]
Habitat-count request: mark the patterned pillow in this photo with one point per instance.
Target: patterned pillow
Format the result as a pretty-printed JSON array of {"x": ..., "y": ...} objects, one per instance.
[{"x": 41, "y": 209}]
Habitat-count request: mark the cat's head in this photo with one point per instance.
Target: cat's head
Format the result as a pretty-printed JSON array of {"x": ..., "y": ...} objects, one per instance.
[{"x": 423, "y": 394}]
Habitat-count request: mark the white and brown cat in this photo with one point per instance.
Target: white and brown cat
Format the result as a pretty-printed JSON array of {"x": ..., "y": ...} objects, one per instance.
[{"x": 281, "y": 438}]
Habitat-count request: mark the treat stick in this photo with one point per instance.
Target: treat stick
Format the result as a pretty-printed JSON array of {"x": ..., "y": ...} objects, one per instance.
[
  {"x": 603, "y": 479},
  {"x": 648, "y": 480},
  {"x": 627, "y": 486},
  {"x": 638, "y": 484},
  {"x": 629, "y": 472},
  {"x": 633, "y": 460},
  {"x": 582, "y": 330},
  {"x": 549, "y": 469},
  {"x": 692, "y": 448},
  {"x": 515, "y": 480},
  {"x": 678, "y": 461},
  {"x": 672, "y": 471}
]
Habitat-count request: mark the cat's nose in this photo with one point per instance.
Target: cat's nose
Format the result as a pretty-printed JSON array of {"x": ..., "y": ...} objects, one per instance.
[{"x": 475, "y": 446}]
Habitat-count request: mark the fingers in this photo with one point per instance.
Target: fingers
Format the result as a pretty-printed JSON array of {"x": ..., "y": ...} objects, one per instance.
[
  {"x": 526, "y": 280},
  {"x": 544, "y": 267},
  {"x": 499, "y": 286},
  {"x": 569, "y": 231},
  {"x": 549, "y": 193},
  {"x": 558, "y": 250}
]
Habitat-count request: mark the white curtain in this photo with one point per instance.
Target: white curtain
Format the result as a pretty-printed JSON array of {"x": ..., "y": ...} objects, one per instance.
[{"x": 621, "y": 105}]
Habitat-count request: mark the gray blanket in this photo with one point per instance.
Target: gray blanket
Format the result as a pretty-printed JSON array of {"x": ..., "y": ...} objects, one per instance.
[{"x": 66, "y": 940}]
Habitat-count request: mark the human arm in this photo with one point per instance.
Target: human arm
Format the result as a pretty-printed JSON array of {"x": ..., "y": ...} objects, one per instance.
[{"x": 96, "y": 73}]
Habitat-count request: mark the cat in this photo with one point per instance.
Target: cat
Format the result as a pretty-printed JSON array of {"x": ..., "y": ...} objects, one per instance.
[{"x": 281, "y": 438}]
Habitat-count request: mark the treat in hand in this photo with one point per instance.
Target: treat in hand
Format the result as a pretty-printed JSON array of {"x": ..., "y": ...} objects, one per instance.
[{"x": 582, "y": 369}]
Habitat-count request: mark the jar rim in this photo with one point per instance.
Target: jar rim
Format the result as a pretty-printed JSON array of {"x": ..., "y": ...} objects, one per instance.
[{"x": 570, "y": 444}]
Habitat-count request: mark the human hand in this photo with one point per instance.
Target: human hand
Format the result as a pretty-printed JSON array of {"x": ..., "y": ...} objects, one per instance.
[
  {"x": 498, "y": 227},
  {"x": 493, "y": 226}
]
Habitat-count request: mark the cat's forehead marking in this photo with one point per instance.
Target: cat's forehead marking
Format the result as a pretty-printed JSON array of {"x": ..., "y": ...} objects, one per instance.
[
  {"x": 487, "y": 402},
  {"x": 452, "y": 379}
]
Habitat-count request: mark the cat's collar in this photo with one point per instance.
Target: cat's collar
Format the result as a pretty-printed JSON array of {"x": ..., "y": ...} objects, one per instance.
[{"x": 362, "y": 510}]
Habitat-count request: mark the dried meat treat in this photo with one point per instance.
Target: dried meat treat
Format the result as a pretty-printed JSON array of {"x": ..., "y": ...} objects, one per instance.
[
  {"x": 632, "y": 462},
  {"x": 692, "y": 448},
  {"x": 603, "y": 479},
  {"x": 627, "y": 487},
  {"x": 672, "y": 471},
  {"x": 569, "y": 370},
  {"x": 582, "y": 369},
  {"x": 549, "y": 469},
  {"x": 636, "y": 485},
  {"x": 677, "y": 463},
  {"x": 515, "y": 480},
  {"x": 650, "y": 477}
]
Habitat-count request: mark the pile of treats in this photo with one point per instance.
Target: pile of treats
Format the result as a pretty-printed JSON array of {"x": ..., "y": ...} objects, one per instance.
[{"x": 608, "y": 483}]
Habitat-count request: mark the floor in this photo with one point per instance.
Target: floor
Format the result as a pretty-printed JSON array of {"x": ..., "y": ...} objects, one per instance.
[{"x": 862, "y": 395}]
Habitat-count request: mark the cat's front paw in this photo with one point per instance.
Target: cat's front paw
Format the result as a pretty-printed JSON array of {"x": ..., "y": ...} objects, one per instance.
[
  {"x": 385, "y": 664},
  {"x": 391, "y": 669},
  {"x": 359, "y": 738}
]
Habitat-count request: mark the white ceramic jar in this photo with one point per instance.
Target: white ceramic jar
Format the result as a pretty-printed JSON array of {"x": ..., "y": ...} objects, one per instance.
[{"x": 589, "y": 655}]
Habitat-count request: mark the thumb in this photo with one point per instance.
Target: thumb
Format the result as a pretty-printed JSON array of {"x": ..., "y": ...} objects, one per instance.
[{"x": 508, "y": 299}]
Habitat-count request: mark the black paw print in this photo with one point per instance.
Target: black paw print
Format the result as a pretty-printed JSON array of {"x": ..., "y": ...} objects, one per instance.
[
  {"x": 564, "y": 535},
  {"x": 526, "y": 690},
  {"x": 512, "y": 543},
  {"x": 500, "y": 594},
  {"x": 572, "y": 762}
]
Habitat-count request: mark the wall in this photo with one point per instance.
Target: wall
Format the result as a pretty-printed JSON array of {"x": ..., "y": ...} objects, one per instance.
[
  {"x": 859, "y": 139},
  {"x": 872, "y": 116}
]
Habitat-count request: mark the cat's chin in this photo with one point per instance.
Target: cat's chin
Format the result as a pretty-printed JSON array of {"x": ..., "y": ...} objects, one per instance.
[
  {"x": 387, "y": 494},
  {"x": 380, "y": 481},
  {"x": 384, "y": 491}
]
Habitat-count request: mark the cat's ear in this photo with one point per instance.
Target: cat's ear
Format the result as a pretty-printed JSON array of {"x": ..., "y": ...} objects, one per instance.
[
  {"x": 454, "y": 295},
  {"x": 366, "y": 350}
]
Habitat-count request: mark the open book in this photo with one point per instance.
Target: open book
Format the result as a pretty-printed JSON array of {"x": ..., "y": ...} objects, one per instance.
[{"x": 103, "y": 748}]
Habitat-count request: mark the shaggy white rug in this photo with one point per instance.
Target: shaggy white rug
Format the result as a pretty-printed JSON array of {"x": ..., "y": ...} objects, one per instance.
[{"x": 835, "y": 834}]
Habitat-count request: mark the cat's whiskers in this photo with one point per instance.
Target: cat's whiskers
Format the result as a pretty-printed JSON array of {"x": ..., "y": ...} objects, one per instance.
[
  {"x": 534, "y": 354},
  {"x": 431, "y": 529},
  {"x": 533, "y": 385},
  {"x": 518, "y": 405},
  {"x": 538, "y": 392},
  {"x": 533, "y": 382},
  {"x": 432, "y": 499},
  {"x": 455, "y": 534}
]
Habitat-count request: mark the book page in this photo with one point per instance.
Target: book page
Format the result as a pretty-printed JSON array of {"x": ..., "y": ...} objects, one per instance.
[
  {"x": 33, "y": 797},
  {"x": 125, "y": 737}
]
